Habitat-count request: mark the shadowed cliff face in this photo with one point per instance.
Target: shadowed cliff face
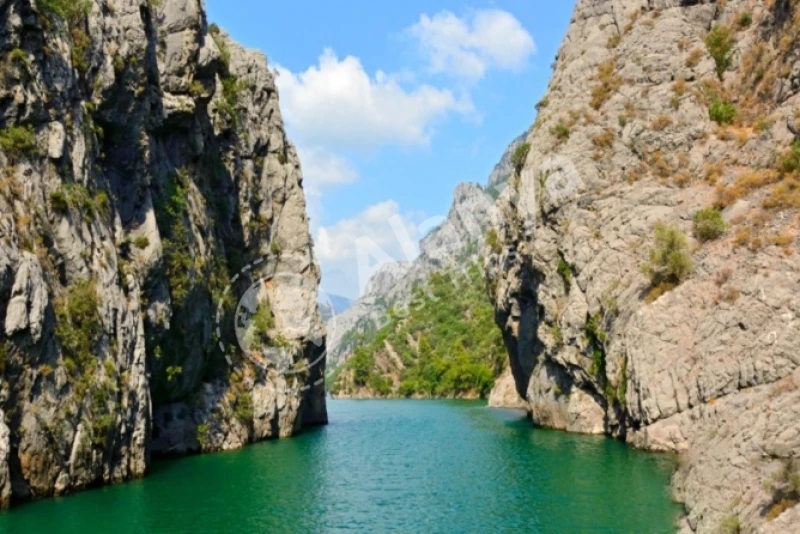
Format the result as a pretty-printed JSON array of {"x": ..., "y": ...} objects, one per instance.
[
  {"x": 655, "y": 111},
  {"x": 149, "y": 183}
]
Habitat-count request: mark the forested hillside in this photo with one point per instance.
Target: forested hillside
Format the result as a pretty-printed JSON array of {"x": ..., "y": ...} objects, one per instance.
[{"x": 446, "y": 345}]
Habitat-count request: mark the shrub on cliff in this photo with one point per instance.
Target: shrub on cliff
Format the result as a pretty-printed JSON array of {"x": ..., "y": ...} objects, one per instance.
[
  {"x": 670, "y": 259},
  {"x": 561, "y": 132},
  {"x": 244, "y": 409},
  {"x": 720, "y": 43},
  {"x": 608, "y": 84},
  {"x": 519, "y": 157},
  {"x": 18, "y": 141},
  {"x": 66, "y": 9},
  {"x": 790, "y": 161},
  {"x": 493, "y": 241},
  {"x": 722, "y": 112},
  {"x": 708, "y": 224},
  {"x": 745, "y": 20},
  {"x": 565, "y": 272},
  {"x": 78, "y": 325}
]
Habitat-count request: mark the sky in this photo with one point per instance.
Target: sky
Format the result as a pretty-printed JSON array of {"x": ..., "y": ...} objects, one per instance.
[{"x": 392, "y": 104}]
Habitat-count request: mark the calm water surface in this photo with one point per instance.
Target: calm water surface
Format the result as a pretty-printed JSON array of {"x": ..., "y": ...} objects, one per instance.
[{"x": 385, "y": 466}]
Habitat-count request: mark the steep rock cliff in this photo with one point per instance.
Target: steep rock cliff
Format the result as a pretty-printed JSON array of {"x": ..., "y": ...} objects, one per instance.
[
  {"x": 657, "y": 110},
  {"x": 149, "y": 183}
]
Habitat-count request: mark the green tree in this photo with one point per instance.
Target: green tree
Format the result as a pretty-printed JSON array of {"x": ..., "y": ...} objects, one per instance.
[
  {"x": 720, "y": 42},
  {"x": 670, "y": 259}
]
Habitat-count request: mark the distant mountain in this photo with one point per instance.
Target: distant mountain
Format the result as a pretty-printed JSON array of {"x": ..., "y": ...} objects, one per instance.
[
  {"x": 332, "y": 305},
  {"x": 340, "y": 304},
  {"x": 453, "y": 247}
]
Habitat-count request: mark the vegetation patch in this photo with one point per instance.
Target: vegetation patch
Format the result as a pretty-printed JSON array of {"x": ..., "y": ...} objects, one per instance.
[
  {"x": 670, "y": 260},
  {"x": 662, "y": 122},
  {"x": 78, "y": 326},
  {"x": 493, "y": 241},
  {"x": 597, "y": 338},
  {"x": 19, "y": 57},
  {"x": 66, "y": 9},
  {"x": 790, "y": 161},
  {"x": 448, "y": 344},
  {"x": 174, "y": 371},
  {"x": 745, "y": 20},
  {"x": 785, "y": 488},
  {"x": 722, "y": 112},
  {"x": 744, "y": 184},
  {"x": 222, "y": 46},
  {"x": 17, "y": 141},
  {"x": 262, "y": 323},
  {"x": 561, "y": 131},
  {"x": 231, "y": 91},
  {"x": 102, "y": 409},
  {"x": 730, "y": 525},
  {"x": 202, "y": 434},
  {"x": 720, "y": 43},
  {"x": 565, "y": 271},
  {"x": 608, "y": 84},
  {"x": 605, "y": 140},
  {"x": 244, "y": 409},
  {"x": 172, "y": 208},
  {"x": 76, "y": 196},
  {"x": 708, "y": 224},
  {"x": 519, "y": 156}
]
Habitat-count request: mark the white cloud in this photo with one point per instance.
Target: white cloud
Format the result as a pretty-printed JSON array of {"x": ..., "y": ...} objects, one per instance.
[
  {"x": 467, "y": 48},
  {"x": 337, "y": 104},
  {"x": 351, "y": 250},
  {"x": 338, "y": 242},
  {"x": 322, "y": 168}
]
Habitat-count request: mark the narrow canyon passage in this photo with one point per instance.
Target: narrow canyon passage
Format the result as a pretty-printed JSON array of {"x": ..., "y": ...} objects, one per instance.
[{"x": 386, "y": 466}]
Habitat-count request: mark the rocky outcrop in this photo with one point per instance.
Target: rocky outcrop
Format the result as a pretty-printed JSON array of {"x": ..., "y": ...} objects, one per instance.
[
  {"x": 149, "y": 183},
  {"x": 655, "y": 111},
  {"x": 504, "y": 393},
  {"x": 504, "y": 168}
]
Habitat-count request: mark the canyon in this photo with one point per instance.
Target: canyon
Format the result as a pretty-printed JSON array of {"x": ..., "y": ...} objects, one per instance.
[{"x": 631, "y": 264}]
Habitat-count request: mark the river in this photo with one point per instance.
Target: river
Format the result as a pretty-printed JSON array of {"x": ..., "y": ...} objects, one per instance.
[{"x": 386, "y": 466}]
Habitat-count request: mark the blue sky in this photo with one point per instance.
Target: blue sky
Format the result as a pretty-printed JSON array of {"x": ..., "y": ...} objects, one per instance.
[{"x": 391, "y": 104}]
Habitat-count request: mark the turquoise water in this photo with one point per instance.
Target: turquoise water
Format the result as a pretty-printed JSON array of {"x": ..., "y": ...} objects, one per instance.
[{"x": 386, "y": 466}]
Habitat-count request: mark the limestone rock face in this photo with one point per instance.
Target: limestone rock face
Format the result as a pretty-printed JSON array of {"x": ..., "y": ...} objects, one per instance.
[
  {"x": 504, "y": 393},
  {"x": 149, "y": 183},
  {"x": 637, "y": 129}
]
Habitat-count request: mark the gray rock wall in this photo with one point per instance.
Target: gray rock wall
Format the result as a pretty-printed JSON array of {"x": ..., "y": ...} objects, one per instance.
[
  {"x": 709, "y": 369},
  {"x": 147, "y": 168}
]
